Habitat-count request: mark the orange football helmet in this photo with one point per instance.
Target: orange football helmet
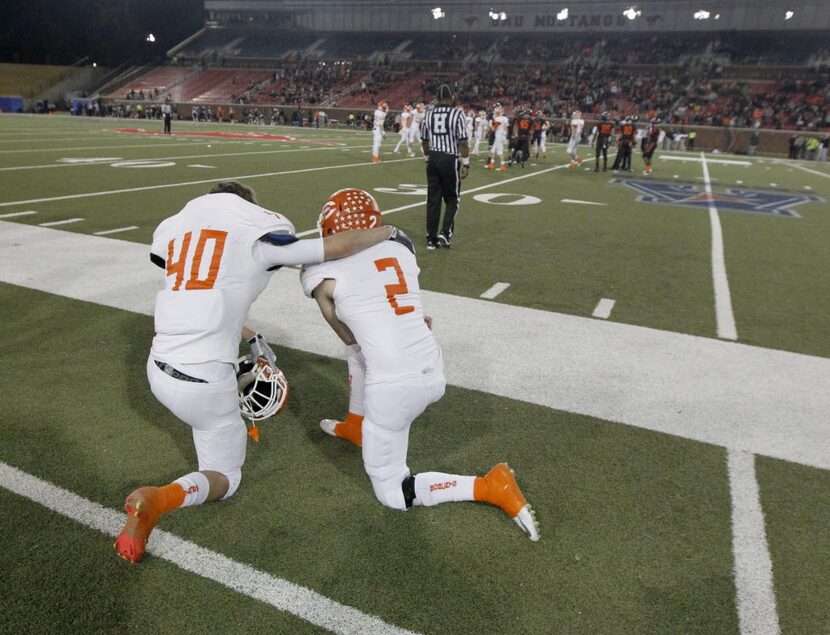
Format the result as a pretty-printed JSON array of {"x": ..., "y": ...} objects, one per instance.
[{"x": 349, "y": 209}]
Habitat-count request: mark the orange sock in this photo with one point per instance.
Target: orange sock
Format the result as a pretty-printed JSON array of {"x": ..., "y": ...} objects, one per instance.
[
  {"x": 480, "y": 490},
  {"x": 169, "y": 497},
  {"x": 351, "y": 429}
]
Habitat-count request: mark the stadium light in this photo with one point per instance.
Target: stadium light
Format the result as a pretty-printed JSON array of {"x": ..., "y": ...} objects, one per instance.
[
  {"x": 702, "y": 15},
  {"x": 497, "y": 15},
  {"x": 150, "y": 38},
  {"x": 788, "y": 15},
  {"x": 438, "y": 13},
  {"x": 562, "y": 15},
  {"x": 717, "y": 16},
  {"x": 632, "y": 12}
]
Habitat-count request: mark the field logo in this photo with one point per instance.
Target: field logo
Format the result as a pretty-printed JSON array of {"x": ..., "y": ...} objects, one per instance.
[{"x": 732, "y": 199}]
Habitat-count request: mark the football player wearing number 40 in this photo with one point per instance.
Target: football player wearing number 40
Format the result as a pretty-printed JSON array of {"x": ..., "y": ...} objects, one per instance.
[
  {"x": 218, "y": 254},
  {"x": 396, "y": 368}
]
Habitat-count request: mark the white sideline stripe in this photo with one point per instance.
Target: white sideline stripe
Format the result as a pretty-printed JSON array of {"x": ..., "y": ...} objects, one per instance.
[
  {"x": 197, "y": 165},
  {"x": 422, "y": 203},
  {"x": 723, "y": 300},
  {"x": 199, "y": 182},
  {"x": 668, "y": 157},
  {"x": 603, "y": 308},
  {"x": 281, "y": 594},
  {"x": 757, "y": 612},
  {"x": 187, "y": 156},
  {"x": 578, "y": 202},
  {"x": 65, "y": 221},
  {"x": 702, "y": 388},
  {"x": 106, "y": 232},
  {"x": 495, "y": 290},
  {"x": 17, "y": 214}
]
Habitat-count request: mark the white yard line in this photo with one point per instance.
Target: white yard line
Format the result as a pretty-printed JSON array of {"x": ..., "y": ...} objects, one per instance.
[
  {"x": 168, "y": 144},
  {"x": 604, "y": 308},
  {"x": 186, "y": 156},
  {"x": 107, "y": 232},
  {"x": 578, "y": 202},
  {"x": 723, "y": 301},
  {"x": 199, "y": 182},
  {"x": 422, "y": 203},
  {"x": 757, "y": 612},
  {"x": 805, "y": 169},
  {"x": 65, "y": 221},
  {"x": 244, "y": 579},
  {"x": 706, "y": 389},
  {"x": 494, "y": 291},
  {"x": 17, "y": 214}
]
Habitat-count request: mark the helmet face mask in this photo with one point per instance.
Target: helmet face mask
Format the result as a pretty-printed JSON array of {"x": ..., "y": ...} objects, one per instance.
[
  {"x": 263, "y": 389},
  {"x": 347, "y": 210}
]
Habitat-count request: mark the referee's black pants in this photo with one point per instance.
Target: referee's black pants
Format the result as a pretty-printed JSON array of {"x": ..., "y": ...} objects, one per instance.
[{"x": 443, "y": 183}]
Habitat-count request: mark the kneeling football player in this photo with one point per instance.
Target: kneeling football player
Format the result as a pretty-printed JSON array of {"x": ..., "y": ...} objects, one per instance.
[{"x": 395, "y": 365}]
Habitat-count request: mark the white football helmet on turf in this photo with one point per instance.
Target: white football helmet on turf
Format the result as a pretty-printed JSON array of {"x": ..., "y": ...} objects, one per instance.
[{"x": 263, "y": 389}]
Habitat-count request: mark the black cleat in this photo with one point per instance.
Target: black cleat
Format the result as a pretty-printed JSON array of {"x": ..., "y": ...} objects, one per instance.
[
  {"x": 444, "y": 241},
  {"x": 431, "y": 245}
]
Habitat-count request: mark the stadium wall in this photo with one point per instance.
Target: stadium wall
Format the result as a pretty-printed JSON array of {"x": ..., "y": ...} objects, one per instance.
[{"x": 523, "y": 17}]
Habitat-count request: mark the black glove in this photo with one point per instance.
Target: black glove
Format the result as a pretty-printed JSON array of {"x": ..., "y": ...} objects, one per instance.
[
  {"x": 398, "y": 236},
  {"x": 260, "y": 348}
]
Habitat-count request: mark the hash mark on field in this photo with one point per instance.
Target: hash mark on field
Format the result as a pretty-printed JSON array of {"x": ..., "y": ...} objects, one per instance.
[
  {"x": 495, "y": 290},
  {"x": 604, "y": 308},
  {"x": 65, "y": 221},
  {"x": 115, "y": 231},
  {"x": 17, "y": 214},
  {"x": 753, "y": 567},
  {"x": 578, "y": 202},
  {"x": 281, "y": 594}
]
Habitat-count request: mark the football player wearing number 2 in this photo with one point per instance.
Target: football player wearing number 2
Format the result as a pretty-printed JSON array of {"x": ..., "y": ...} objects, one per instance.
[
  {"x": 372, "y": 301},
  {"x": 218, "y": 254}
]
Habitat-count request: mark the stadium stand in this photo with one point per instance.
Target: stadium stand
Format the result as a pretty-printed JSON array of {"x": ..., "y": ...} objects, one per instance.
[{"x": 720, "y": 82}]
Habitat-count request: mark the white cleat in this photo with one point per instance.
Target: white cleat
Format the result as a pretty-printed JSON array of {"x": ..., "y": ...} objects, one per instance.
[
  {"x": 526, "y": 519},
  {"x": 328, "y": 425}
]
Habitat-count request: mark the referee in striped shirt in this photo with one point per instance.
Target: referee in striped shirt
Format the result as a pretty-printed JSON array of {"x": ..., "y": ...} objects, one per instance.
[{"x": 444, "y": 138}]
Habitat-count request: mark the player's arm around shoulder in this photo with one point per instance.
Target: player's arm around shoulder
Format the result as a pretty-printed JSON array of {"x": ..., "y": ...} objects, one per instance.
[{"x": 345, "y": 244}]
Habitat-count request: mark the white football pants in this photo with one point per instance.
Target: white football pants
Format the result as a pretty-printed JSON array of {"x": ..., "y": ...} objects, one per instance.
[
  {"x": 377, "y": 138},
  {"x": 390, "y": 410},
  {"x": 212, "y": 411}
]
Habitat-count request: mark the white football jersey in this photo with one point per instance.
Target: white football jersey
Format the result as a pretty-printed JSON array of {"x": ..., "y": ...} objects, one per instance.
[
  {"x": 406, "y": 120},
  {"x": 480, "y": 126},
  {"x": 378, "y": 297},
  {"x": 576, "y": 128},
  {"x": 417, "y": 119},
  {"x": 501, "y": 124},
  {"x": 212, "y": 276},
  {"x": 380, "y": 117}
]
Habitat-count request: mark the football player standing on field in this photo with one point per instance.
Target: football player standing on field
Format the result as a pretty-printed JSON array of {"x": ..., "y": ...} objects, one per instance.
[
  {"x": 480, "y": 130},
  {"x": 372, "y": 301},
  {"x": 377, "y": 130},
  {"x": 577, "y": 124},
  {"x": 218, "y": 254},
  {"x": 415, "y": 128},
  {"x": 406, "y": 121},
  {"x": 500, "y": 125}
]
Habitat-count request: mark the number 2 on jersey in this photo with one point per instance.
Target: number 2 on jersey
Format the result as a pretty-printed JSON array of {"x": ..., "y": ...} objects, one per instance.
[
  {"x": 394, "y": 289},
  {"x": 177, "y": 268}
]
